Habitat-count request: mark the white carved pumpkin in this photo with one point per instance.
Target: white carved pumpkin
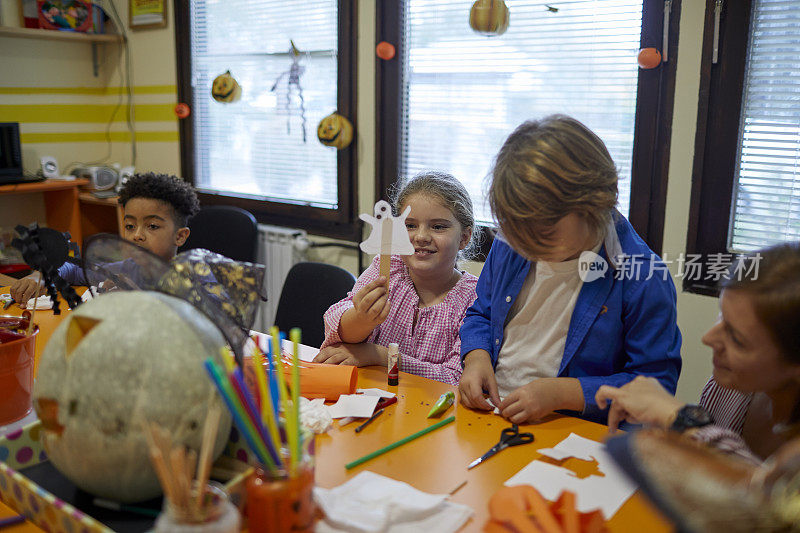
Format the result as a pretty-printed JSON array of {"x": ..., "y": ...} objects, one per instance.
[{"x": 117, "y": 359}]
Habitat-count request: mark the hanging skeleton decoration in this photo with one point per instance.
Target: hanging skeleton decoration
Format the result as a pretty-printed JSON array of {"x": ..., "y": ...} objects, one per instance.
[{"x": 293, "y": 75}]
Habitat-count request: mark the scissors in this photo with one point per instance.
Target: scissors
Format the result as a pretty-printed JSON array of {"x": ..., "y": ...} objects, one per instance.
[{"x": 508, "y": 437}]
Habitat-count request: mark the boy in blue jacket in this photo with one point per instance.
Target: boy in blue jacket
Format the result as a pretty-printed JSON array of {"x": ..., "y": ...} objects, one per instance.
[{"x": 570, "y": 297}]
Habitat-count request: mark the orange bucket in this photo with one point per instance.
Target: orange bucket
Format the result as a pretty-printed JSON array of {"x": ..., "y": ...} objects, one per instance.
[{"x": 16, "y": 377}]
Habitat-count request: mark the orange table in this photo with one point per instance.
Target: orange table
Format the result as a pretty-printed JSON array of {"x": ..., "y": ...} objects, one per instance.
[{"x": 437, "y": 462}]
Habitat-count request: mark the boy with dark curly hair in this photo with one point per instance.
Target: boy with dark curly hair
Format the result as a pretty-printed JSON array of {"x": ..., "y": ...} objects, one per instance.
[{"x": 156, "y": 210}]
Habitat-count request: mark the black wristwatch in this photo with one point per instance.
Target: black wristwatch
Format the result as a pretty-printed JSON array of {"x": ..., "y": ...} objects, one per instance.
[{"x": 691, "y": 416}]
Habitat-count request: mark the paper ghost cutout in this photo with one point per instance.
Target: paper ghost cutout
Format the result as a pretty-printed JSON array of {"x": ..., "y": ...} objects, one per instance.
[{"x": 388, "y": 233}]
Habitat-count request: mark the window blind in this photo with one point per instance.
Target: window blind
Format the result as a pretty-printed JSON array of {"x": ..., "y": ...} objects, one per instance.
[
  {"x": 766, "y": 203},
  {"x": 463, "y": 93},
  {"x": 255, "y": 148}
]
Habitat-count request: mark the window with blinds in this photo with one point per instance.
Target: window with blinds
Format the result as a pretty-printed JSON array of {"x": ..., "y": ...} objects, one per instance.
[
  {"x": 766, "y": 203},
  {"x": 463, "y": 93},
  {"x": 264, "y": 146}
]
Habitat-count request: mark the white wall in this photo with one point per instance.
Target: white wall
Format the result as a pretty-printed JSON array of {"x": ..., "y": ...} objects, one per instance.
[{"x": 696, "y": 313}]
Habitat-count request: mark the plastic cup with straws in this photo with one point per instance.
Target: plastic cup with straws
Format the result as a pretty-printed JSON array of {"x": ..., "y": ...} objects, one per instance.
[{"x": 279, "y": 493}]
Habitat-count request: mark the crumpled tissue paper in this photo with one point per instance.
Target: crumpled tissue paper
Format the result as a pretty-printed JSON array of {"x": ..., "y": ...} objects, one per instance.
[
  {"x": 371, "y": 503},
  {"x": 314, "y": 415}
]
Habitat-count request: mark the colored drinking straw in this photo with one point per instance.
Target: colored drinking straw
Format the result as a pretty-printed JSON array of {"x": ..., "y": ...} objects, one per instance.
[
  {"x": 237, "y": 412},
  {"x": 271, "y": 379},
  {"x": 294, "y": 335},
  {"x": 237, "y": 380},
  {"x": 267, "y": 409},
  {"x": 394, "y": 445},
  {"x": 291, "y": 430}
]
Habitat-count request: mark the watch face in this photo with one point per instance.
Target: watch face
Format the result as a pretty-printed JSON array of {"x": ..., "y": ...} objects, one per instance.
[{"x": 691, "y": 416}]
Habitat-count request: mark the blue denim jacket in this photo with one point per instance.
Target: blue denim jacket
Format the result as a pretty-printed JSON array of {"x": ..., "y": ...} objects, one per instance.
[{"x": 623, "y": 325}]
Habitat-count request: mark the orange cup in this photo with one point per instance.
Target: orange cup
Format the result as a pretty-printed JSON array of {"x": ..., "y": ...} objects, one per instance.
[
  {"x": 16, "y": 378},
  {"x": 278, "y": 503}
]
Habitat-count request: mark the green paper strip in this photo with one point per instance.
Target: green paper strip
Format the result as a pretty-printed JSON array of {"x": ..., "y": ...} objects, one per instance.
[{"x": 394, "y": 445}]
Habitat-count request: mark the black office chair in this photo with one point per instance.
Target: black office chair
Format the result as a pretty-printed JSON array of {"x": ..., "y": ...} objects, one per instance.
[
  {"x": 309, "y": 290},
  {"x": 224, "y": 229}
]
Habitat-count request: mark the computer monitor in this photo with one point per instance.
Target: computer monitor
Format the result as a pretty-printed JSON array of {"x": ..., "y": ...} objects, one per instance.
[
  {"x": 10, "y": 153},
  {"x": 11, "y": 156}
]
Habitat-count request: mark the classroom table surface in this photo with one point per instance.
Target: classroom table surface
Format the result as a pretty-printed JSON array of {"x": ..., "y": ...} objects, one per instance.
[{"x": 436, "y": 462}]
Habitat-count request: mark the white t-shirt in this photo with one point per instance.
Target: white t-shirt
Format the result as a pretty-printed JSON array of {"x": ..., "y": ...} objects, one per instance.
[{"x": 537, "y": 324}]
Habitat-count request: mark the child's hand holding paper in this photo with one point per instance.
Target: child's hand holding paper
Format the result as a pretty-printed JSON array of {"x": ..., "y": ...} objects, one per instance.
[{"x": 371, "y": 303}]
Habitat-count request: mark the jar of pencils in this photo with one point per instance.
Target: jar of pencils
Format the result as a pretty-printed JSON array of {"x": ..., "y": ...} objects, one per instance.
[
  {"x": 280, "y": 500},
  {"x": 214, "y": 514}
]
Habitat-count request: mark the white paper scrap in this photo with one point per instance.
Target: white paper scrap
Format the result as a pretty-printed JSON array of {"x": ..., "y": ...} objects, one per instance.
[
  {"x": 355, "y": 405},
  {"x": 573, "y": 446},
  {"x": 380, "y": 393},
  {"x": 42, "y": 302},
  {"x": 607, "y": 492},
  {"x": 370, "y": 502},
  {"x": 496, "y": 408}
]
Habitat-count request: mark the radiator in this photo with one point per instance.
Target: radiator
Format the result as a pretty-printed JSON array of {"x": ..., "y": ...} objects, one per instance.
[{"x": 279, "y": 249}]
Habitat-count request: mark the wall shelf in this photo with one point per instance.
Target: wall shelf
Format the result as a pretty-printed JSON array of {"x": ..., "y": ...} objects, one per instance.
[{"x": 54, "y": 35}]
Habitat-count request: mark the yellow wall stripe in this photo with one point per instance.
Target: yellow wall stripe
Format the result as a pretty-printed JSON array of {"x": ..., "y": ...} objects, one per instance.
[
  {"x": 115, "y": 136},
  {"x": 139, "y": 89},
  {"x": 84, "y": 113}
]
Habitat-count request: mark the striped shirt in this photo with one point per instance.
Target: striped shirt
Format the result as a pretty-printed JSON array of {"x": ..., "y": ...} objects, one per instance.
[
  {"x": 728, "y": 408},
  {"x": 431, "y": 347}
]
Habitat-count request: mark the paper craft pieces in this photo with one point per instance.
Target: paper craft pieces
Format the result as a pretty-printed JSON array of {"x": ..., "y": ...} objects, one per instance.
[
  {"x": 606, "y": 492},
  {"x": 522, "y": 508},
  {"x": 573, "y": 446},
  {"x": 380, "y": 393},
  {"x": 388, "y": 234},
  {"x": 355, "y": 405},
  {"x": 370, "y": 502},
  {"x": 496, "y": 409},
  {"x": 42, "y": 302}
]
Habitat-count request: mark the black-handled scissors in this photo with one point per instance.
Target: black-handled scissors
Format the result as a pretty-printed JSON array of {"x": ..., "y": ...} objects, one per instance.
[{"x": 508, "y": 437}]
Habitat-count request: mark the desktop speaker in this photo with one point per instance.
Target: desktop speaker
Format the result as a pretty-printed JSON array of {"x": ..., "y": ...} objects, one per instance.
[
  {"x": 49, "y": 167},
  {"x": 125, "y": 173},
  {"x": 100, "y": 178}
]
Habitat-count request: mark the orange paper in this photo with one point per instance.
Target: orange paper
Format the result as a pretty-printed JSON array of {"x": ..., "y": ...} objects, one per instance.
[
  {"x": 317, "y": 380},
  {"x": 522, "y": 509}
]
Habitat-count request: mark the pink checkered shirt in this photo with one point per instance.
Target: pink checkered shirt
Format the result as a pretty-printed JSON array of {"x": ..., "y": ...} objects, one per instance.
[{"x": 431, "y": 349}]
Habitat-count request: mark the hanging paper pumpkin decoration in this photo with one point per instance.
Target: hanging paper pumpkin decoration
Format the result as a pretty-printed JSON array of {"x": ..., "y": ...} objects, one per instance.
[
  {"x": 182, "y": 110},
  {"x": 385, "y": 50},
  {"x": 226, "y": 89},
  {"x": 489, "y": 17},
  {"x": 649, "y": 58},
  {"x": 335, "y": 130}
]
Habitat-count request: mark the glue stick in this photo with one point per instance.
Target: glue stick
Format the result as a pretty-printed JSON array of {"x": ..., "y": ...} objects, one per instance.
[{"x": 393, "y": 363}]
